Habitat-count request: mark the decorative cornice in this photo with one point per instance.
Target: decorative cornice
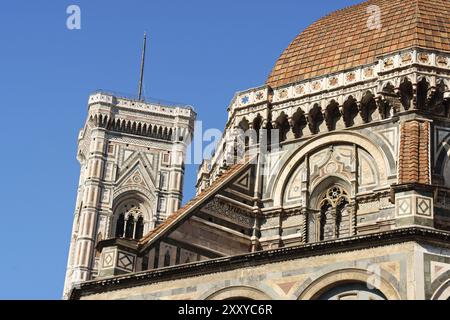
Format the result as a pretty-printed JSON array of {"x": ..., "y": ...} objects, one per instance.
[
  {"x": 372, "y": 196},
  {"x": 417, "y": 234},
  {"x": 159, "y": 109}
]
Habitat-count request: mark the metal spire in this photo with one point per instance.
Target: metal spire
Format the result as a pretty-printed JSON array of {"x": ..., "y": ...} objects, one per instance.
[{"x": 141, "y": 79}]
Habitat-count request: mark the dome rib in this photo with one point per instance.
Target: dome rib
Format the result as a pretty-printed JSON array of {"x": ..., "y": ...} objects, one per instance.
[{"x": 342, "y": 40}]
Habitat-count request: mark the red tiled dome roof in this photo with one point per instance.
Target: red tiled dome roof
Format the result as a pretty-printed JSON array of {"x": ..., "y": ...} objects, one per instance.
[{"x": 342, "y": 40}]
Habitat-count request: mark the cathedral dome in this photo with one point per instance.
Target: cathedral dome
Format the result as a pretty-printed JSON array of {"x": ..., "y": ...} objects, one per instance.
[{"x": 342, "y": 40}]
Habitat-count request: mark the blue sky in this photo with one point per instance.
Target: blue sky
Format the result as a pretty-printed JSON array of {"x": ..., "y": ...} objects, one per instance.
[{"x": 200, "y": 53}]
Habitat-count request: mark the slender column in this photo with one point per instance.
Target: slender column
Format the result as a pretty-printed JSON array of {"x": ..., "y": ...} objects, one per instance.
[{"x": 134, "y": 228}]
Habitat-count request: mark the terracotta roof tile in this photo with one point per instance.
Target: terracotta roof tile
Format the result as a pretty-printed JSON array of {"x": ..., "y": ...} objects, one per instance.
[{"x": 342, "y": 39}]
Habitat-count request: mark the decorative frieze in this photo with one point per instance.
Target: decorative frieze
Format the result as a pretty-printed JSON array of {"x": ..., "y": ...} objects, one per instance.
[{"x": 227, "y": 210}]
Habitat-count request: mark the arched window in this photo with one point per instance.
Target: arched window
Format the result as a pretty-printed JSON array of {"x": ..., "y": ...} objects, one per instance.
[
  {"x": 131, "y": 222},
  {"x": 120, "y": 225},
  {"x": 324, "y": 210},
  {"x": 139, "y": 228},
  {"x": 341, "y": 216},
  {"x": 129, "y": 230},
  {"x": 334, "y": 219}
]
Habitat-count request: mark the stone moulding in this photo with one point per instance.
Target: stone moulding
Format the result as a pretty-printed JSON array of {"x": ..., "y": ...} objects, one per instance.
[
  {"x": 110, "y": 99},
  {"x": 417, "y": 234}
]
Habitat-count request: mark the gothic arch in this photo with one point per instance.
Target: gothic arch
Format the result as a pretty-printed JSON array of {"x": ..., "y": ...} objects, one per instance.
[
  {"x": 406, "y": 92},
  {"x": 282, "y": 124},
  {"x": 332, "y": 115},
  {"x": 239, "y": 292},
  {"x": 423, "y": 87},
  {"x": 350, "y": 111},
  {"x": 368, "y": 106},
  {"x": 132, "y": 205},
  {"x": 315, "y": 118},
  {"x": 139, "y": 190},
  {"x": 388, "y": 87},
  {"x": 320, "y": 187},
  {"x": 312, "y": 290},
  {"x": 289, "y": 166},
  {"x": 331, "y": 215}
]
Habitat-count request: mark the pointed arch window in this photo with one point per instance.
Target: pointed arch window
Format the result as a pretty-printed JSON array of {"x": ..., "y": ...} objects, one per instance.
[
  {"x": 129, "y": 230},
  {"x": 130, "y": 221},
  {"x": 334, "y": 220},
  {"x": 324, "y": 210},
  {"x": 139, "y": 228},
  {"x": 120, "y": 226}
]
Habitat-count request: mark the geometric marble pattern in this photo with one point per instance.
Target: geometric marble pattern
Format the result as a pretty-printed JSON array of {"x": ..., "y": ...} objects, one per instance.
[
  {"x": 404, "y": 207},
  {"x": 287, "y": 286},
  {"x": 244, "y": 181},
  {"x": 424, "y": 206},
  {"x": 414, "y": 205},
  {"x": 108, "y": 260},
  {"x": 125, "y": 261}
]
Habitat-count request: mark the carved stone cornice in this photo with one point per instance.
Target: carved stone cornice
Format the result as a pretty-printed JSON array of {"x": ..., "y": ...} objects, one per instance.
[
  {"x": 292, "y": 212},
  {"x": 373, "y": 196},
  {"x": 225, "y": 209},
  {"x": 385, "y": 238}
]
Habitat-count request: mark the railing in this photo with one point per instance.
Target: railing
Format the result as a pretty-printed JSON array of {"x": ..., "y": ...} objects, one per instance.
[{"x": 149, "y": 100}]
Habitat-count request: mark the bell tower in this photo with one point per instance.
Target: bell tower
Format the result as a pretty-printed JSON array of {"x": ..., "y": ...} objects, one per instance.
[{"x": 131, "y": 154}]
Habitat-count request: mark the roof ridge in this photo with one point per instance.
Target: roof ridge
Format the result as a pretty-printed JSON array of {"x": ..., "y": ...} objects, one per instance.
[{"x": 194, "y": 201}]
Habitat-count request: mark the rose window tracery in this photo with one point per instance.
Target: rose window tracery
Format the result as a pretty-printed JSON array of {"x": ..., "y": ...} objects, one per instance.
[{"x": 333, "y": 213}]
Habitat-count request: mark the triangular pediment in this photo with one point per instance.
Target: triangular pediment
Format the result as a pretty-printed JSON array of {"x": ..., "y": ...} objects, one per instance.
[
  {"x": 136, "y": 175},
  {"x": 146, "y": 164},
  {"x": 193, "y": 208}
]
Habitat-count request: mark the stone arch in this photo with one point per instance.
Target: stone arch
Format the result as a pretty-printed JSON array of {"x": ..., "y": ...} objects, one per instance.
[
  {"x": 406, "y": 91},
  {"x": 324, "y": 184},
  {"x": 330, "y": 199},
  {"x": 244, "y": 124},
  {"x": 332, "y": 115},
  {"x": 423, "y": 87},
  {"x": 315, "y": 118},
  {"x": 349, "y": 111},
  {"x": 134, "y": 198},
  {"x": 388, "y": 87},
  {"x": 368, "y": 106},
  {"x": 443, "y": 292},
  {"x": 425, "y": 78},
  {"x": 282, "y": 124},
  {"x": 257, "y": 124},
  {"x": 299, "y": 122},
  {"x": 239, "y": 292},
  {"x": 328, "y": 281},
  {"x": 290, "y": 164}
]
